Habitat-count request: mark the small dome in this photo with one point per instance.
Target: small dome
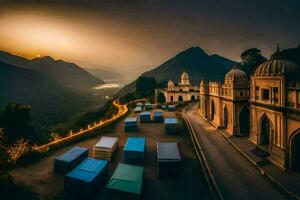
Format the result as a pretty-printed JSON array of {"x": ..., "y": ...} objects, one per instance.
[
  {"x": 170, "y": 83},
  {"x": 185, "y": 79},
  {"x": 277, "y": 66},
  {"x": 235, "y": 73},
  {"x": 184, "y": 76}
]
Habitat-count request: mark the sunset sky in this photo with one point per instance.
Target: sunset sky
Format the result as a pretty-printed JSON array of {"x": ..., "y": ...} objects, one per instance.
[{"x": 135, "y": 35}]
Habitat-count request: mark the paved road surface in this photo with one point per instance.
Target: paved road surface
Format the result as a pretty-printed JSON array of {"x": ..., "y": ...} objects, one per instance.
[{"x": 236, "y": 177}]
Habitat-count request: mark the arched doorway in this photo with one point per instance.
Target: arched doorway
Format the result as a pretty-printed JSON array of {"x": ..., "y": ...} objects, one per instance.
[
  {"x": 244, "y": 121},
  {"x": 225, "y": 117},
  {"x": 212, "y": 110},
  {"x": 192, "y": 98},
  {"x": 171, "y": 99},
  {"x": 265, "y": 130},
  {"x": 180, "y": 98},
  {"x": 295, "y": 152}
]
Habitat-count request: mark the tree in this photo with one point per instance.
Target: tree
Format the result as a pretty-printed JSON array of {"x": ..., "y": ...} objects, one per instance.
[
  {"x": 161, "y": 98},
  {"x": 145, "y": 86},
  {"x": 16, "y": 122},
  {"x": 251, "y": 59}
]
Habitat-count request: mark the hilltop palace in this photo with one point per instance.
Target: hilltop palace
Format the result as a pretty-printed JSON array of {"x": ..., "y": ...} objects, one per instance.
[
  {"x": 266, "y": 108},
  {"x": 183, "y": 91}
]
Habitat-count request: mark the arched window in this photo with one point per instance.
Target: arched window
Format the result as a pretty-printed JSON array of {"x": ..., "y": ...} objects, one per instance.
[
  {"x": 265, "y": 131},
  {"x": 225, "y": 118},
  {"x": 295, "y": 151},
  {"x": 244, "y": 121},
  {"x": 212, "y": 110},
  {"x": 180, "y": 98}
]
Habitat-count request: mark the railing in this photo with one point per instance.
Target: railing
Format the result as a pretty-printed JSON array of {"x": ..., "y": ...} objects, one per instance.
[{"x": 122, "y": 110}]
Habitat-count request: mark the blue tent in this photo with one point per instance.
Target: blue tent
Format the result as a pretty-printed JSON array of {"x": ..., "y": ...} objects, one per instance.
[
  {"x": 130, "y": 124},
  {"x": 86, "y": 178},
  {"x": 158, "y": 116},
  {"x": 148, "y": 106},
  {"x": 171, "y": 125},
  {"x": 171, "y": 107},
  {"x": 145, "y": 117},
  {"x": 66, "y": 162},
  {"x": 134, "y": 151}
]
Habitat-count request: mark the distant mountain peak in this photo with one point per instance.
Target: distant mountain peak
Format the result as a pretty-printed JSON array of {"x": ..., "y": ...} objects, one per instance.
[
  {"x": 46, "y": 58},
  {"x": 192, "y": 51}
]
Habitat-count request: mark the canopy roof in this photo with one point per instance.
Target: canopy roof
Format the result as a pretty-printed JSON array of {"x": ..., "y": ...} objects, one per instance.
[
  {"x": 88, "y": 170},
  {"x": 127, "y": 178}
]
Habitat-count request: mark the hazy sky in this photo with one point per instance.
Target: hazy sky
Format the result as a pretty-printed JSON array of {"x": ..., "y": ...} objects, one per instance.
[{"x": 134, "y": 35}]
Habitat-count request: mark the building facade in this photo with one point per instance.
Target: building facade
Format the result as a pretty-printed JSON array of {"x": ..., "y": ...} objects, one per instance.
[
  {"x": 183, "y": 91},
  {"x": 268, "y": 112},
  {"x": 226, "y": 105}
]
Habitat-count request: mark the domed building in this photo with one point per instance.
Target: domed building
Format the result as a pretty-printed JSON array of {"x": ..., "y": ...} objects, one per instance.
[
  {"x": 265, "y": 108},
  {"x": 226, "y": 104},
  {"x": 181, "y": 92},
  {"x": 275, "y": 110}
]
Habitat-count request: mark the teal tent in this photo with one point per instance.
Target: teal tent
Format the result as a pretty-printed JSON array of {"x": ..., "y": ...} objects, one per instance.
[{"x": 127, "y": 178}]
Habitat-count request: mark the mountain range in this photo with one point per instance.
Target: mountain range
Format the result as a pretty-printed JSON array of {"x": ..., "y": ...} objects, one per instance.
[
  {"x": 67, "y": 75},
  {"x": 56, "y": 90},
  {"x": 198, "y": 64}
]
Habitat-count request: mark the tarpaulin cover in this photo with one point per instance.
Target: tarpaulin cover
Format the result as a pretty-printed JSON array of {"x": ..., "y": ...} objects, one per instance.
[
  {"x": 88, "y": 170},
  {"x": 148, "y": 105},
  {"x": 70, "y": 159},
  {"x": 158, "y": 114},
  {"x": 131, "y": 120},
  {"x": 168, "y": 160},
  {"x": 127, "y": 178},
  {"x": 171, "y": 121},
  {"x": 145, "y": 117},
  {"x": 145, "y": 113},
  {"x": 163, "y": 107},
  {"x": 106, "y": 142},
  {"x": 138, "y": 109},
  {"x": 167, "y": 151},
  {"x": 135, "y": 144},
  {"x": 140, "y": 104}
]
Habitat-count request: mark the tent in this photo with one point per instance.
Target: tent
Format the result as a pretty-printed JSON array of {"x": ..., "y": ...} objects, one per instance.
[
  {"x": 127, "y": 178},
  {"x": 171, "y": 107},
  {"x": 105, "y": 148},
  {"x": 158, "y": 116},
  {"x": 140, "y": 104},
  {"x": 130, "y": 124},
  {"x": 171, "y": 125},
  {"x": 145, "y": 117},
  {"x": 134, "y": 151},
  {"x": 86, "y": 178},
  {"x": 148, "y": 106},
  {"x": 168, "y": 159},
  {"x": 138, "y": 109},
  {"x": 66, "y": 162}
]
